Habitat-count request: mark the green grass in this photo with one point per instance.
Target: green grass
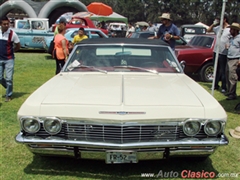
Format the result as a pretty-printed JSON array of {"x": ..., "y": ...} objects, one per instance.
[{"x": 31, "y": 71}]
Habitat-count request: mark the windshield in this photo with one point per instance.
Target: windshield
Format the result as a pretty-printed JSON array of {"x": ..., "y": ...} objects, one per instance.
[
  {"x": 203, "y": 41},
  {"x": 122, "y": 58}
]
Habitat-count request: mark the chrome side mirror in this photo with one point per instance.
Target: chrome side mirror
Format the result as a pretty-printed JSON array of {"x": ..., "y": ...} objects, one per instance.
[{"x": 183, "y": 64}]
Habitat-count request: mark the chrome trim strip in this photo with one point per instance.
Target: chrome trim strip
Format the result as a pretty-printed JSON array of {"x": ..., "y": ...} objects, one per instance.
[
  {"x": 20, "y": 138},
  {"x": 121, "y": 112}
]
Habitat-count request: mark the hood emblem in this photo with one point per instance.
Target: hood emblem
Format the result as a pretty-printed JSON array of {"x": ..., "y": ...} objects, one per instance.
[{"x": 121, "y": 112}]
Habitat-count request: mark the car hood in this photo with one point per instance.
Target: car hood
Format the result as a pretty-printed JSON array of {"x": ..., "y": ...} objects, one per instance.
[
  {"x": 120, "y": 89},
  {"x": 168, "y": 94}
]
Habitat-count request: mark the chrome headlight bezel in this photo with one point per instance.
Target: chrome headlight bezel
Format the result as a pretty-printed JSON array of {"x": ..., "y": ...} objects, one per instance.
[
  {"x": 34, "y": 120},
  {"x": 49, "y": 122},
  {"x": 212, "y": 122},
  {"x": 191, "y": 122}
]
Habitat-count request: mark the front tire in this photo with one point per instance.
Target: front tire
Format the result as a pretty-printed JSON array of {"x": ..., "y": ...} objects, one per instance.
[{"x": 206, "y": 72}]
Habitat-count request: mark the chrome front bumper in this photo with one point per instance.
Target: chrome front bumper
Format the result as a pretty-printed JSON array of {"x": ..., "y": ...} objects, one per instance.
[{"x": 144, "y": 150}]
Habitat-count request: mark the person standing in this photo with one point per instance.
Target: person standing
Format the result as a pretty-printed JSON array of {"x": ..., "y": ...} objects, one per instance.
[
  {"x": 80, "y": 36},
  {"x": 130, "y": 30},
  {"x": 144, "y": 28},
  {"x": 151, "y": 27},
  {"x": 60, "y": 51},
  {"x": 222, "y": 56},
  {"x": 137, "y": 28},
  {"x": 9, "y": 43},
  {"x": 62, "y": 21},
  {"x": 233, "y": 58},
  {"x": 168, "y": 31}
]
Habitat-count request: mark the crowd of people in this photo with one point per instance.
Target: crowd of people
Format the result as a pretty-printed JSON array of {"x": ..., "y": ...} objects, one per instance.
[
  {"x": 228, "y": 56},
  {"x": 228, "y": 52}
]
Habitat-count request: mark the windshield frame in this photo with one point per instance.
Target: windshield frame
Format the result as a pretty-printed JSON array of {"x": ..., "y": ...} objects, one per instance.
[{"x": 175, "y": 65}]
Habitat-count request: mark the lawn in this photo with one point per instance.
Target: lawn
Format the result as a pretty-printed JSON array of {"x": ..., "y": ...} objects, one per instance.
[{"x": 32, "y": 69}]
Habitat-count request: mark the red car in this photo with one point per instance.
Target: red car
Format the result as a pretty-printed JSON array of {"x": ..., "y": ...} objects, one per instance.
[
  {"x": 77, "y": 22},
  {"x": 198, "y": 56}
]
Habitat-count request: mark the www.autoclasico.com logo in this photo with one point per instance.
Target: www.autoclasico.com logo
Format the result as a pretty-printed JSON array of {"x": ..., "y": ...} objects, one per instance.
[{"x": 187, "y": 174}]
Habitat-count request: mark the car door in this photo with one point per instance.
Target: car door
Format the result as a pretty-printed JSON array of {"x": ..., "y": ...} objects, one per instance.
[{"x": 38, "y": 31}]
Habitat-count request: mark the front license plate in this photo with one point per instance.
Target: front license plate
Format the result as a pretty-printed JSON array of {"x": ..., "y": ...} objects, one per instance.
[{"x": 121, "y": 157}]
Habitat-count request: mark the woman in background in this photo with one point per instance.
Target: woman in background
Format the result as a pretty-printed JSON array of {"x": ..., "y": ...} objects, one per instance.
[{"x": 60, "y": 52}]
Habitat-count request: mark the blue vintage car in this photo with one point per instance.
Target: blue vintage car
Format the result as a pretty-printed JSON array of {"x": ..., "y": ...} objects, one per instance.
[
  {"x": 71, "y": 32},
  {"x": 32, "y": 31}
]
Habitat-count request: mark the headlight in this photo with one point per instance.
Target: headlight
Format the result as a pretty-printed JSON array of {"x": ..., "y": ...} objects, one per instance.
[
  {"x": 212, "y": 128},
  {"x": 52, "y": 125},
  {"x": 191, "y": 128},
  {"x": 30, "y": 125}
]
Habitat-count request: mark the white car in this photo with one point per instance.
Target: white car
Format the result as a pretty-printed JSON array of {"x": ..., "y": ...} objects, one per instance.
[{"x": 122, "y": 100}]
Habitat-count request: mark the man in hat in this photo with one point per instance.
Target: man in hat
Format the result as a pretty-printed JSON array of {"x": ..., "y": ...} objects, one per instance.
[
  {"x": 168, "y": 31},
  {"x": 80, "y": 36},
  {"x": 233, "y": 61},
  {"x": 222, "y": 58}
]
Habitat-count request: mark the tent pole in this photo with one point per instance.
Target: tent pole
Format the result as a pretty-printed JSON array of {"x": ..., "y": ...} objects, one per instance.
[{"x": 218, "y": 43}]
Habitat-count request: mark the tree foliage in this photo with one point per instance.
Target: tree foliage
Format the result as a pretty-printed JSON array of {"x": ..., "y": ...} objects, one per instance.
[{"x": 182, "y": 11}]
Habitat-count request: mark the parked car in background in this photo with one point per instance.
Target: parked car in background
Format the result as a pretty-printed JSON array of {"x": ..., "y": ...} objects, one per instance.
[
  {"x": 71, "y": 32},
  {"x": 122, "y": 100},
  {"x": 189, "y": 30},
  {"x": 198, "y": 56},
  {"x": 32, "y": 31},
  {"x": 116, "y": 29},
  {"x": 117, "y": 26},
  {"x": 77, "y": 22},
  {"x": 147, "y": 34}
]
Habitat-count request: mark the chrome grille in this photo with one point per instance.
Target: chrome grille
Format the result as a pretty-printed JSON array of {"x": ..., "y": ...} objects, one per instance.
[{"x": 121, "y": 133}]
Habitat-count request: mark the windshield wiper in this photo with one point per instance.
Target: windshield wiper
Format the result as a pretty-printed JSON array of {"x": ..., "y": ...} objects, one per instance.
[
  {"x": 135, "y": 67},
  {"x": 77, "y": 64},
  {"x": 89, "y": 67}
]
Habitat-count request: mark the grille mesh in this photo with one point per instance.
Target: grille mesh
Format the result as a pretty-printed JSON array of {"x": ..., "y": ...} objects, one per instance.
[{"x": 121, "y": 133}]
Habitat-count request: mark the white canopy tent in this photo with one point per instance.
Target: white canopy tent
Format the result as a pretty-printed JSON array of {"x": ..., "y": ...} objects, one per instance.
[{"x": 202, "y": 24}]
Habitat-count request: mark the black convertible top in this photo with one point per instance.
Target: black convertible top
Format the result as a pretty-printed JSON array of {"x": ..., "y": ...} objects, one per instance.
[{"x": 124, "y": 40}]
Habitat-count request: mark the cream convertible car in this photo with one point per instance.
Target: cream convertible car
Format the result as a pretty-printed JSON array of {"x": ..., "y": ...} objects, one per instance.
[{"x": 122, "y": 100}]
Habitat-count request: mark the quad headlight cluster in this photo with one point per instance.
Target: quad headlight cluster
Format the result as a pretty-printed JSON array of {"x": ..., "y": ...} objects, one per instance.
[
  {"x": 51, "y": 125},
  {"x": 211, "y": 127}
]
